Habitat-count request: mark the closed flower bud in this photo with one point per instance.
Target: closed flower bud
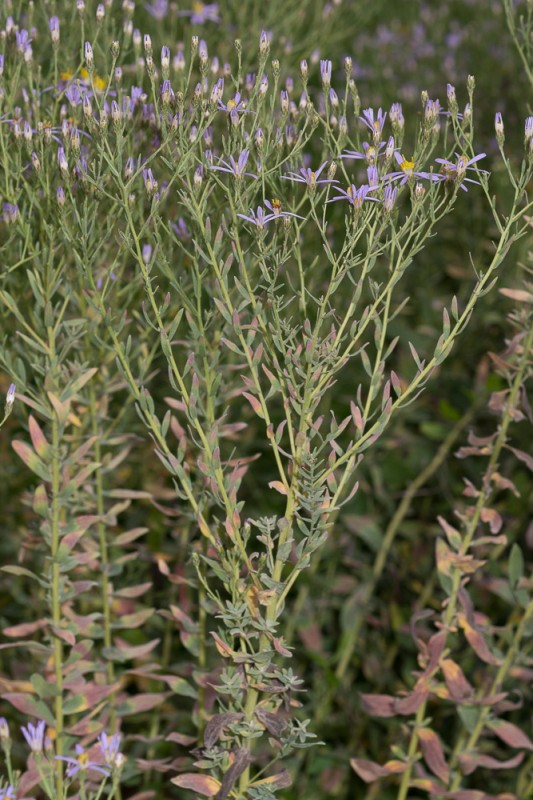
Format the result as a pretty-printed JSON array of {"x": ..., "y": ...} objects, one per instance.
[
  {"x": 54, "y": 30},
  {"x": 420, "y": 191},
  {"x": 116, "y": 113},
  {"x": 62, "y": 160},
  {"x": 89, "y": 56},
  {"x": 147, "y": 253},
  {"x": 147, "y": 44},
  {"x": 178, "y": 62},
  {"x": 137, "y": 40},
  {"x": 100, "y": 12},
  {"x": 194, "y": 44},
  {"x": 129, "y": 169},
  {"x": 87, "y": 108},
  {"x": 198, "y": 176},
  {"x": 275, "y": 68},
  {"x": 304, "y": 70},
  {"x": 470, "y": 84},
  {"x": 263, "y": 86},
  {"x": 528, "y": 129},
  {"x": 165, "y": 58},
  {"x": 332, "y": 170},
  {"x": 35, "y": 162},
  {"x": 115, "y": 50},
  {"x": 264, "y": 44},
  {"x": 284, "y": 102},
  {"x": 389, "y": 149},
  {"x": 60, "y": 196},
  {"x": 333, "y": 98},
  {"x": 348, "y": 64},
  {"x": 499, "y": 129},
  {"x": 80, "y": 6},
  {"x": 259, "y": 139}
]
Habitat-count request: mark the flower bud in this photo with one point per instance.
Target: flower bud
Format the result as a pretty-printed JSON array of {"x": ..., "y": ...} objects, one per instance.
[
  {"x": 165, "y": 59},
  {"x": 54, "y": 30},
  {"x": 348, "y": 64},
  {"x": 304, "y": 70},
  {"x": 60, "y": 196},
  {"x": 80, "y": 6},
  {"x": 100, "y": 12},
  {"x": 499, "y": 129},
  {"x": 115, "y": 50},
  {"x": 89, "y": 56},
  {"x": 332, "y": 169},
  {"x": 284, "y": 102},
  {"x": 264, "y": 44},
  {"x": 62, "y": 160},
  {"x": 178, "y": 62},
  {"x": 36, "y": 163},
  {"x": 147, "y": 44},
  {"x": 325, "y": 73},
  {"x": 528, "y": 129}
]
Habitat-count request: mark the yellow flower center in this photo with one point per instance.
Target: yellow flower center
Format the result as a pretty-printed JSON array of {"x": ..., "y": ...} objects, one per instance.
[
  {"x": 276, "y": 205},
  {"x": 83, "y": 760},
  {"x": 198, "y": 7},
  {"x": 231, "y": 104},
  {"x": 407, "y": 166}
]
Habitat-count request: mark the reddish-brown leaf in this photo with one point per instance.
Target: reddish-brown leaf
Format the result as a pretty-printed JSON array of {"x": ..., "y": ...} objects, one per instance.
[
  {"x": 369, "y": 771},
  {"x": 510, "y": 734},
  {"x": 378, "y": 705},
  {"x": 434, "y": 754},
  {"x": 25, "y": 628},
  {"x": 471, "y": 761},
  {"x": 141, "y": 702},
  {"x": 456, "y": 682},
  {"x": 202, "y": 784},
  {"x": 216, "y": 725},
  {"x": 38, "y": 439},
  {"x": 477, "y": 642}
]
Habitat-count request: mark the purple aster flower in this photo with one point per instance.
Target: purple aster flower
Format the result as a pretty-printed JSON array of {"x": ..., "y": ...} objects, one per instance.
[
  {"x": 10, "y": 213},
  {"x": 82, "y": 762},
  {"x": 23, "y": 40},
  {"x": 8, "y": 793},
  {"x": 159, "y": 9},
  {"x": 181, "y": 230},
  {"x": 34, "y": 735},
  {"x": 110, "y": 747},
  {"x": 456, "y": 172},
  {"x": 407, "y": 171},
  {"x": 308, "y": 177},
  {"x": 375, "y": 124},
  {"x": 355, "y": 196},
  {"x": 275, "y": 208},
  {"x": 369, "y": 153},
  {"x": 234, "y": 106},
  {"x": 202, "y": 12},
  {"x": 260, "y": 219},
  {"x": 236, "y": 167}
]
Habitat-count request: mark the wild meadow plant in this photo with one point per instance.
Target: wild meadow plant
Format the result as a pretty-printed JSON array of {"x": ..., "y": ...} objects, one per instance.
[{"x": 194, "y": 256}]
